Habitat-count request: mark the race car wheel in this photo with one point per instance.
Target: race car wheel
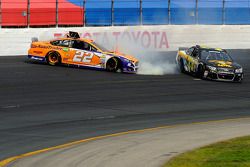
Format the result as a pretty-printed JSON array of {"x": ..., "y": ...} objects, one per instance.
[
  {"x": 239, "y": 79},
  {"x": 182, "y": 69},
  {"x": 200, "y": 72},
  {"x": 112, "y": 64},
  {"x": 53, "y": 58}
]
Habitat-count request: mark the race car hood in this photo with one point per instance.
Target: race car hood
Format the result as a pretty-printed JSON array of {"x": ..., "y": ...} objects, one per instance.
[
  {"x": 118, "y": 54},
  {"x": 225, "y": 64}
]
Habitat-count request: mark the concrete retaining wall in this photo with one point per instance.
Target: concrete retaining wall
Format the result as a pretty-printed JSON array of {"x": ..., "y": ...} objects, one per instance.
[{"x": 159, "y": 38}]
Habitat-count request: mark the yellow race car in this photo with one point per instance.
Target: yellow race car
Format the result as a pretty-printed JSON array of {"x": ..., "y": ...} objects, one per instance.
[
  {"x": 209, "y": 63},
  {"x": 75, "y": 51}
]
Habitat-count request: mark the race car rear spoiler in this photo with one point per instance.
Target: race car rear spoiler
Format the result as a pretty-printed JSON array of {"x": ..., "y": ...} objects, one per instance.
[{"x": 73, "y": 34}]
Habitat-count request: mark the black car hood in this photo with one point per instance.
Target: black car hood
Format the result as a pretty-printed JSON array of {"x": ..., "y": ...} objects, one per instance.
[{"x": 225, "y": 64}]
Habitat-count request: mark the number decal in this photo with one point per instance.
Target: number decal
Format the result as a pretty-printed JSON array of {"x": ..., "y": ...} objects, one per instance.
[{"x": 84, "y": 57}]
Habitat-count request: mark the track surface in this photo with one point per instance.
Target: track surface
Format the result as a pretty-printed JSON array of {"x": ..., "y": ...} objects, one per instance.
[
  {"x": 43, "y": 106},
  {"x": 151, "y": 148}
]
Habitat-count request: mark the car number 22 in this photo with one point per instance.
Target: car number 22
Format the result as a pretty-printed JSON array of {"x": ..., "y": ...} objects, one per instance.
[{"x": 84, "y": 57}]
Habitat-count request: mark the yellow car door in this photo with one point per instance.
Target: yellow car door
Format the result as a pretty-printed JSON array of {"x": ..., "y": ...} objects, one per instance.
[{"x": 190, "y": 61}]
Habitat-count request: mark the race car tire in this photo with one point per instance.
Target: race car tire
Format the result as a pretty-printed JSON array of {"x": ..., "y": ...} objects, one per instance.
[
  {"x": 182, "y": 69},
  {"x": 200, "y": 72},
  {"x": 239, "y": 80},
  {"x": 113, "y": 65},
  {"x": 53, "y": 58}
]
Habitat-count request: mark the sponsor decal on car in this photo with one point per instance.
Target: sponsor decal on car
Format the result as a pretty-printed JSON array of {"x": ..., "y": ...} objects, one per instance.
[
  {"x": 46, "y": 47},
  {"x": 65, "y": 49}
]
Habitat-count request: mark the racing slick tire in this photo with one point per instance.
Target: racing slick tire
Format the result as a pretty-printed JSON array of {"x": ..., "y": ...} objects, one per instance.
[
  {"x": 182, "y": 69},
  {"x": 53, "y": 58},
  {"x": 200, "y": 72},
  {"x": 239, "y": 80},
  {"x": 113, "y": 65}
]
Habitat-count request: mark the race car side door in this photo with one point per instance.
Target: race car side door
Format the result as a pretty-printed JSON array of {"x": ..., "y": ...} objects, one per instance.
[
  {"x": 189, "y": 59},
  {"x": 83, "y": 53},
  {"x": 193, "y": 60}
]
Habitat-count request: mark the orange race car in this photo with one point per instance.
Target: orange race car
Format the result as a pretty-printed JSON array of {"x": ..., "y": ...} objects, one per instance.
[{"x": 75, "y": 51}]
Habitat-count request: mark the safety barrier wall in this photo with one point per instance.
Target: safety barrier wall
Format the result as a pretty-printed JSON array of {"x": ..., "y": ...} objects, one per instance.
[
  {"x": 122, "y": 12},
  {"x": 157, "y": 38}
]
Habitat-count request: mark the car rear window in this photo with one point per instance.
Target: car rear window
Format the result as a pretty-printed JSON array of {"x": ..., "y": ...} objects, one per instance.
[{"x": 63, "y": 43}]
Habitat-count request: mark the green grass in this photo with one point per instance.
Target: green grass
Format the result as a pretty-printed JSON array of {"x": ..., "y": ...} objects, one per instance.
[{"x": 231, "y": 153}]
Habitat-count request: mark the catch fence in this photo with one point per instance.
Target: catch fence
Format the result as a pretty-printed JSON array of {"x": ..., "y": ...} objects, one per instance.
[{"x": 53, "y": 13}]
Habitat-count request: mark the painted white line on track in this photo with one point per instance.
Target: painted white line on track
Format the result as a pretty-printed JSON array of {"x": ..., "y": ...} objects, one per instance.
[{"x": 10, "y": 106}]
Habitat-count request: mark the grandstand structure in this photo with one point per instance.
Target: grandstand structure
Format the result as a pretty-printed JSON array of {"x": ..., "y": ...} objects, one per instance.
[{"x": 54, "y": 13}]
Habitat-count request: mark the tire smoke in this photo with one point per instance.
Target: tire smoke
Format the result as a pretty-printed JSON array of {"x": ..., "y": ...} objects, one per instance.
[{"x": 150, "y": 62}]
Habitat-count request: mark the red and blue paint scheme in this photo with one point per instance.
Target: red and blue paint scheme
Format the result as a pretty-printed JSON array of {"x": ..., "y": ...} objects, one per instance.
[{"x": 14, "y": 12}]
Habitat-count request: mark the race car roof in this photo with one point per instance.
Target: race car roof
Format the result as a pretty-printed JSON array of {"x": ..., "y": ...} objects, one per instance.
[
  {"x": 81, "y": 39},
  {"x": 210, "y": 48}
]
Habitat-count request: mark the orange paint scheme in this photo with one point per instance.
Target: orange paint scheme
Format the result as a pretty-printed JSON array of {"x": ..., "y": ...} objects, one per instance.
[
  {"x": 42, "y": 49},
  {"x": 80, "y": 52}
]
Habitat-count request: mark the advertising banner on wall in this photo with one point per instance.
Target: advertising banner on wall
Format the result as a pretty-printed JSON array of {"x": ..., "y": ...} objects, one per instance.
[{"x": 140, "y": 38}]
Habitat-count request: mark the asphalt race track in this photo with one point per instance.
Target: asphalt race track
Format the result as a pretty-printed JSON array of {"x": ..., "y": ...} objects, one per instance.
[{"x": 43, "y": 106}]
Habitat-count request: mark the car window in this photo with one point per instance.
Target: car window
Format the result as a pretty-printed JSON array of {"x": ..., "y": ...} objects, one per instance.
[
  {"x": 77, "y": 44},
  {"x": 189, "y": 51},
  {"x": 93, "y": 48},
  {"x": 204, "y": 54},
  {"x": 63, "y": 43},
  {"x": 195, "y": 53},
  {"x": 215, "y": 55}
]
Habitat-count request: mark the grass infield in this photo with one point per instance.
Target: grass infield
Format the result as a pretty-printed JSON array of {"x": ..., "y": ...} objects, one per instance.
[{"x": 231, "y": 153}]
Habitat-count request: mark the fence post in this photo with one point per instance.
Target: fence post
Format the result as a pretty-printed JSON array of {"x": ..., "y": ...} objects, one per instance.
[
  {"x": 112, "y": 12},
  {"x": 196, "y": 12},
  {"x": 56, "y": 13},
  {"x": 169, "y": 13},
  {"x": 141, "y": 12},
  {"x": 223, "y": 12},
  {"x": 84, "y": 13},
  {"x": 28, "y": 13}
]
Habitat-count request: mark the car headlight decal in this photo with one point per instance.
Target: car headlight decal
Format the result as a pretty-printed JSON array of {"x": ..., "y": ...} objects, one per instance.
[
  {"x": 212, "y": 68},
  {"x": 239, "y": 70}
]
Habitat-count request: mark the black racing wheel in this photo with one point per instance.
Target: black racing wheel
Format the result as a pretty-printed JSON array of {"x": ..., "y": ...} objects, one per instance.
[
  {"x": 200, "y": 71},
  {"x": 112, "y": 65},
  {"x": 182, "y": 69}
]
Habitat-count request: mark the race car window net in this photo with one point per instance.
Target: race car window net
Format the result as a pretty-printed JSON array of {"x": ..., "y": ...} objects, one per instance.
[
  {"x": 77, "y": 44},
  {"x": 215, "y": 55}
]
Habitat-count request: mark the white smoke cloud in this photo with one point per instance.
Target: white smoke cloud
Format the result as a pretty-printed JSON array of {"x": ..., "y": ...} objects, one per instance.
[
  {"x": 150, "y": 62},
  {"x": 162, "y": 68}
]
